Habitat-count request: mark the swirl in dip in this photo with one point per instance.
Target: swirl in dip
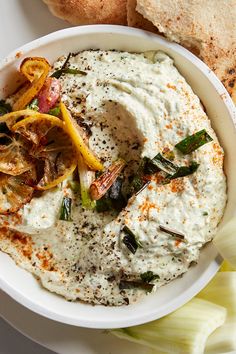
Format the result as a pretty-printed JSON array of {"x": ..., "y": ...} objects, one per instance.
[{"x": 135, "y": 106}]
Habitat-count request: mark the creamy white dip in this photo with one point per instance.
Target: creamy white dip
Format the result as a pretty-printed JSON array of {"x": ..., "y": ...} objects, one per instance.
[{"x": 136, "y": 105}]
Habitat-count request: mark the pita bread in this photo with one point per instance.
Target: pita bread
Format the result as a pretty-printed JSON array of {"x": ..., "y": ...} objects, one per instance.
[
  {"x": 135, "y": 19},
  {"x": 83, "y": 12},
  {"x": 206, "y": 27}
]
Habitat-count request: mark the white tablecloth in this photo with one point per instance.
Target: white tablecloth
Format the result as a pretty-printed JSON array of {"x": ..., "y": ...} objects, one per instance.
[{"x": 13, "y": 342}]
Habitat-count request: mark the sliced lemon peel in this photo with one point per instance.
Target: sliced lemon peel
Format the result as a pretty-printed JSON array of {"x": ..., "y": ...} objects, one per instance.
[
  {"x": 11, "y": 118},
  {"x": 78, "y": 141},
  {"x": 28, "y": 67},
  {"x": 33, "y": 67},
  {"x": 56, "y": 121}
]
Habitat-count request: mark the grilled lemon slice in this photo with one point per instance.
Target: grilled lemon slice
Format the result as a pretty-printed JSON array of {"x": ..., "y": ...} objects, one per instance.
[
  {"x": 15, "y": 191},
  {"x": 12, "y": 118},
  {"x": 73, "y": 130},
  {"x": 51, "y": 145},
  {"x": 14, "y": 157}
]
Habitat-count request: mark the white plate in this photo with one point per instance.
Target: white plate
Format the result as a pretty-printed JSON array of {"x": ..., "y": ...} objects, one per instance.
[
  {"x": 30, "y": 20},
  {"x": 61, "y": 338},
  {"x": 65, "y": 339}
]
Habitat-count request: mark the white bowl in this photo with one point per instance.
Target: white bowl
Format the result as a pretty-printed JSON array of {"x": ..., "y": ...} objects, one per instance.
[{"x": 21, "y": 285}]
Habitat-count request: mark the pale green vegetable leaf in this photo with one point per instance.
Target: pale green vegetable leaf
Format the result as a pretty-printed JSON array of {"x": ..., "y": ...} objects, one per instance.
[
  {"x": 225, "y": 242},
  {"x": 222, "y": 291},
  {"x": 184, "y": 331},
  {"x": 226, "y": 267}
]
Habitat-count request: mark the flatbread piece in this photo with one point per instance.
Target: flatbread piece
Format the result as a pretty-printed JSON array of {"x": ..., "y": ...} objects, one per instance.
[
  {"x": 206, "y": 27},
  {"x": 135, "y": 19},
  {"x": 84, "y": 12}
]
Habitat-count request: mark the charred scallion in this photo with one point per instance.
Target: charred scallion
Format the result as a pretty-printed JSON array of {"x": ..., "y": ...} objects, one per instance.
[
  {"x": 100, "y": 186},
  {"x": 168, "y": 154},
  {"x": 135, "y": 284},
  {"x": 149, "y": 276},
  {"x": 183, "y": 171},
  {"x": 104, "y": 204},
  {"x": 65, "y": 212},
  {"x": 172, "y": 232},
  {"x": 193, "y": 142},
  {"x": 159, "y": 163},
  {"x": 138, "y": 182},
  {"x": 136, "y": 185},
  {"x": 130, "y": 240},
  {"x": 145, "y": 184},
  {"x": 74, "y": 185},
  {"x": 113, "y": 199}
]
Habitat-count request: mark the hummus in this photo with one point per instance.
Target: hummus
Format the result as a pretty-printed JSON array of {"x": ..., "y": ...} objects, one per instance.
[{"x": 135, "y": 105}]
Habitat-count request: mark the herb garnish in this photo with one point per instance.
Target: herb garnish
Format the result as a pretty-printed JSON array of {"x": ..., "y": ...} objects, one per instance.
[
  {"x": 171, "y": 232},
  {"x": 59, "y": 72},
  {"x": 4, "y": 107},
  {"x": 130, "y": 240},
  {"x": 193, "y": 142},
  {"x": 55, "y": 111},
  {"x": 134, "y": 284},
  {"x": 149, "y": 276},
  {"x": 65, "y": 212},
  {"x": 74, "y": 71},
  {"x": 65, "y": 70},
  {"x": 34, "y": 105}
]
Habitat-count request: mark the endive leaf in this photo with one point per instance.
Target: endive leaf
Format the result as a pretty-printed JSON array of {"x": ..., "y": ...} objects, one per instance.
[
  {"x": 184, "y": 331},
  {"x": 225, "y": 242},
  {"x": 222, "y": 291}
]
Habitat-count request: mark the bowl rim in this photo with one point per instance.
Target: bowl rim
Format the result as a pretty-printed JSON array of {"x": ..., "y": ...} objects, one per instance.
[
  {"x": 17, "y": 53},
  {"x": 220, "y": 89}
]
